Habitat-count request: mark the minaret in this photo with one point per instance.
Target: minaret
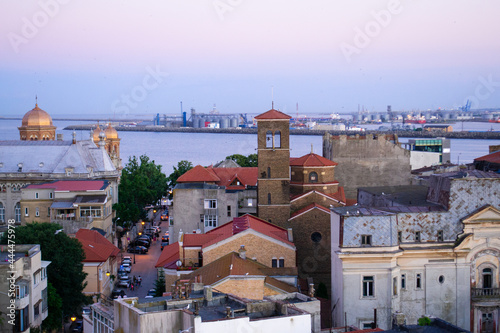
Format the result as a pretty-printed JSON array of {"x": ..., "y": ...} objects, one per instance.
[{"x": 273, "y": 148}]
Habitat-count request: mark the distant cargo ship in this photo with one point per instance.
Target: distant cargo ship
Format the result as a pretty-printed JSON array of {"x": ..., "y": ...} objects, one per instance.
[
  {"x": 415, "y": 120},
  {"x": 497, "y": 120}
]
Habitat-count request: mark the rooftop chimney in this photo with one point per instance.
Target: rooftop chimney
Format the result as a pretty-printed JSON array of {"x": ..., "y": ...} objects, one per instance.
[
  {"x": 242, "y": 252},
  {"x": 207, "y": 293},
  {"x": 290, "y": 235},
  {"x": 74, "y": 137},
  {"x": 59, "y": 137}
]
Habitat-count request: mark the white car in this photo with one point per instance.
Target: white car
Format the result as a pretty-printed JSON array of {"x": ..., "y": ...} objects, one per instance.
[{"x": 126, "y": 267}]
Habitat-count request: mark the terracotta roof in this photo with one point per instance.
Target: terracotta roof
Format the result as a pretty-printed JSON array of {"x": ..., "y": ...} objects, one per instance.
[
  {"x": 232, "y": 264},
  {"x": 72, "y": 185},
  {"x": 307, "y": 208},
  {"x": 198, "y": 240},
  {"x": 311, "y": 160},
  {"x": 339, "y": 196},
  {"x": 169, "y": 256},
  {"x": 96, "y": 247},
  {"x": 492, "y": 158},
  {"x": 199, "y": 174},
  {"x": 228, "y": 176},
  {"x": 272, "y": 114}
]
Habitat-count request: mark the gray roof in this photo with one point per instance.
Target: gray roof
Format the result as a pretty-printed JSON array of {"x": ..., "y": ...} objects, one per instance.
[
  {"x": 62, "y": 204},
  {"x": 408, "y": 195},
  {"x": 53, "y": 157}
]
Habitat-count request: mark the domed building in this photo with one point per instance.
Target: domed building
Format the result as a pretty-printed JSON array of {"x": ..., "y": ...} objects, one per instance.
[
  {"x": 37, "y": 125},
  {"x": 111, "y": 142}
]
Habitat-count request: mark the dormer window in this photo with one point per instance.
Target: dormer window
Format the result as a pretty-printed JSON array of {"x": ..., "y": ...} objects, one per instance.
[{"x": 19, "y": 167}]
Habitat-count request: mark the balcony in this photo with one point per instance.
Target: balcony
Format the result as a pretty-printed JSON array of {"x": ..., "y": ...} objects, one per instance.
[
  {"x": 485, "y": 294},
  {"x": 21, "y": 303},
  {"x": 61, "y": 218}
]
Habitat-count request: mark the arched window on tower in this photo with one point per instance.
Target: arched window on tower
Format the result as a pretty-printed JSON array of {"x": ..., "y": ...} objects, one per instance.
[
  {"x": 313, "y": 177},
  {"x": 269, "y": 198},
  {"x": 269, "y": 139},
  {"x": 277, "y": 139},
  {"x": 268, "y": 172},
  {"x": 487, "y": 278}
]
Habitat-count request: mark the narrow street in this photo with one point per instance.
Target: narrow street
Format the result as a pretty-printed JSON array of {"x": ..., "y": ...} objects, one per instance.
[{"x": 145, "y": 264}]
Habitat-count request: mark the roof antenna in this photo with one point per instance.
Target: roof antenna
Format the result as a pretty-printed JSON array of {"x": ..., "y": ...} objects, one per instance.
[
  {"x": 36, "y": 100},
  {"x": 272, "y": 97},
  {"x": 312, "y": 152}
]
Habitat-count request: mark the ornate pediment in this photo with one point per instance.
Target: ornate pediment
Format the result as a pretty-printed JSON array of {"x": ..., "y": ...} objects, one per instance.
[{"x": 485, "y": 214}]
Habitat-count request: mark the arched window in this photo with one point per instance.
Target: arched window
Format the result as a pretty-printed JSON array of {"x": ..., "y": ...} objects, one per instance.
[
  {"x": 313, "y": 177},
  {"x": 2, "y": 212},
  {"x": 277, "y": 139},
  {"x": 487, "y": 278},
  {"x": 268, "y": 172},
  {"x": 17, "y": 212},
  {"x": 269, "y": 139},
  {"x": 269, "y": 198}
]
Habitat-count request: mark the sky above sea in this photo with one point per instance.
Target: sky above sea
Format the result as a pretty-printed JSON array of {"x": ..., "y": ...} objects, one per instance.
[{"x": 137, "y": 58}]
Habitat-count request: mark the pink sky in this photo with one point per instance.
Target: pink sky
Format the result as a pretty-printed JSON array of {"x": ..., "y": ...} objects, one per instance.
[{"x": 426, "y": 54}]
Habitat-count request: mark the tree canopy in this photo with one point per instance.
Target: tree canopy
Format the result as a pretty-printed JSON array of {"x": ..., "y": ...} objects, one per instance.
[
  {"x": 244, "y": 161},
  {"x": 182, "y": 167},
  {"x": 142, "y": 183},
  {"x": 66, "y": 254}
]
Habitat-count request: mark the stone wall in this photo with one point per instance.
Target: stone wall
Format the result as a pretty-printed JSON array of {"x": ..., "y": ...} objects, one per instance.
[{"x": 367, "y": 161}]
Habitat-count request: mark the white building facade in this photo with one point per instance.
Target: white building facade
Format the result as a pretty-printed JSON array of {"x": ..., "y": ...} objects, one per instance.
[{"x": 440, "y": 260}]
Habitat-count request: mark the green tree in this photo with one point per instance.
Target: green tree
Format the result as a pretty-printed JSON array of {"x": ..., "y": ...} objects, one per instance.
[
  {"x": 182, "y": 167},
  {"x": 160, "y": 286},
  {"x": 66, "y": 254},
  {"x": 54, "y": 319},
  {"x": 142, "y": 183},
  {"x": 244, "y": 161}
]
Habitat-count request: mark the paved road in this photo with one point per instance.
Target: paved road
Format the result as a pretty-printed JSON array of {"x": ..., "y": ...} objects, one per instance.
[{"x": 145, "y": 265}]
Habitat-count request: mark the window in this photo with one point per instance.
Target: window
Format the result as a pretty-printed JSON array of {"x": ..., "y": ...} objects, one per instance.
[
  {"x": 368, "y": 284},
  {"x": 51, "y": 195},
  {"x": 275, "y": 262},
  {"x": 36, "y": 310},
  {"x": 250, "y": 202},
  {"x": 228, "y": 210},
  {"x": 269, "y": 198},
  {"x": 210, "y": 220},
  {"x": 440, "y": 236},
  {"x": 17, "y": 211},
  {"x": 441, "y": 279},
  {"x": 92, "y": 211},
  {"x": 36, "y": 278},
  {"x": 417, "y": 236},
  {"x": 26, "y": 211},
  {"x": 269, "y": 139},
  {"x": 22, "y": 291},
  {"x": 22, "y": 319},
  {"x": 487, "y": 278},
  {"x": 36, "y": 195},
  {"x": 277, "y": 139},
  {"x": 418, "y": 281},
  {"x": 316, "y": 237},
  {"x": 394, "y": 286},
  {"x": 202, "y": 218},
  {"x": 45, "y": 303},
  {"x": 210, "y": 203},
  {"x": 48, "y": 211},
  {"x": 403, "y": 281},
  {"x": 2, "y": 212},
  {"x": 400, "y": 237},
  {"x": 313, "y": 177},
  {"x": 37, "y": 211},
  {"x": 366, "y": 240},
  {"x": 268, "y": 172},
  {"x": 44, "y": 273}
]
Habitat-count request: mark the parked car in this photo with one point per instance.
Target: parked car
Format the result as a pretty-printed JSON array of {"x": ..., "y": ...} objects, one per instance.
[
  {"x": 151, "y": 293},
  {"x": 126, "y": 267},
  {"x": 165, "y": 237},
  {"x": 164, "y": 216},
  {"x": 118, "y": 292},
  {"x": 141, "y": 242},
  {"x": 127, "y": 261},
  {"x": 122, "y": 272},
  {"x": 137, "y": 249},
  {"x": 86, "y": 310},
  {"x": 127, "y": 258},
  {"x": 77, "y": 326},
  {"x": 163, "y": 244},
  {"x": 123, "y": 281}
]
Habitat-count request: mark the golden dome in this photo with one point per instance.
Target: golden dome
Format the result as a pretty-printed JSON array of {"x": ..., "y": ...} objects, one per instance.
[
  {"x": 97, "y": 131},
  {"x": 36, "y": 117},
  {"x": 111, "y": 133}
]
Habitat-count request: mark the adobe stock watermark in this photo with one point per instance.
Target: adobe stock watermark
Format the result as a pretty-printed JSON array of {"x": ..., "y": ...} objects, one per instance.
[
  {"x": 484, "y": 89},
  {"x": 31, "y": 27},
  {"x": 372, "y": 29},
  {"x": 225, "y": 6},
  {"x": 140, "y": 92}
]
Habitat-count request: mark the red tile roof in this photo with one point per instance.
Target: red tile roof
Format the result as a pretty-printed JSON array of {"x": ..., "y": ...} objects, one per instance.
[
  {"x": 339, "y": 196},
  {"x": 232, "y": 264},
  {"x": 221, "y": 176},
  {"x": 169, "y": 256},
  {"x": 307, "y": 208},
  {"x": 272, "y": 114},
  {"x": 199, "y": 174},
  {"x": 311, "y": 160},
  {"x": 96, "y": 247},
  {"x": 72, "y": 185},
  {"x": 492, "y": 158},
  {"x": 237, "y": 225}
]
